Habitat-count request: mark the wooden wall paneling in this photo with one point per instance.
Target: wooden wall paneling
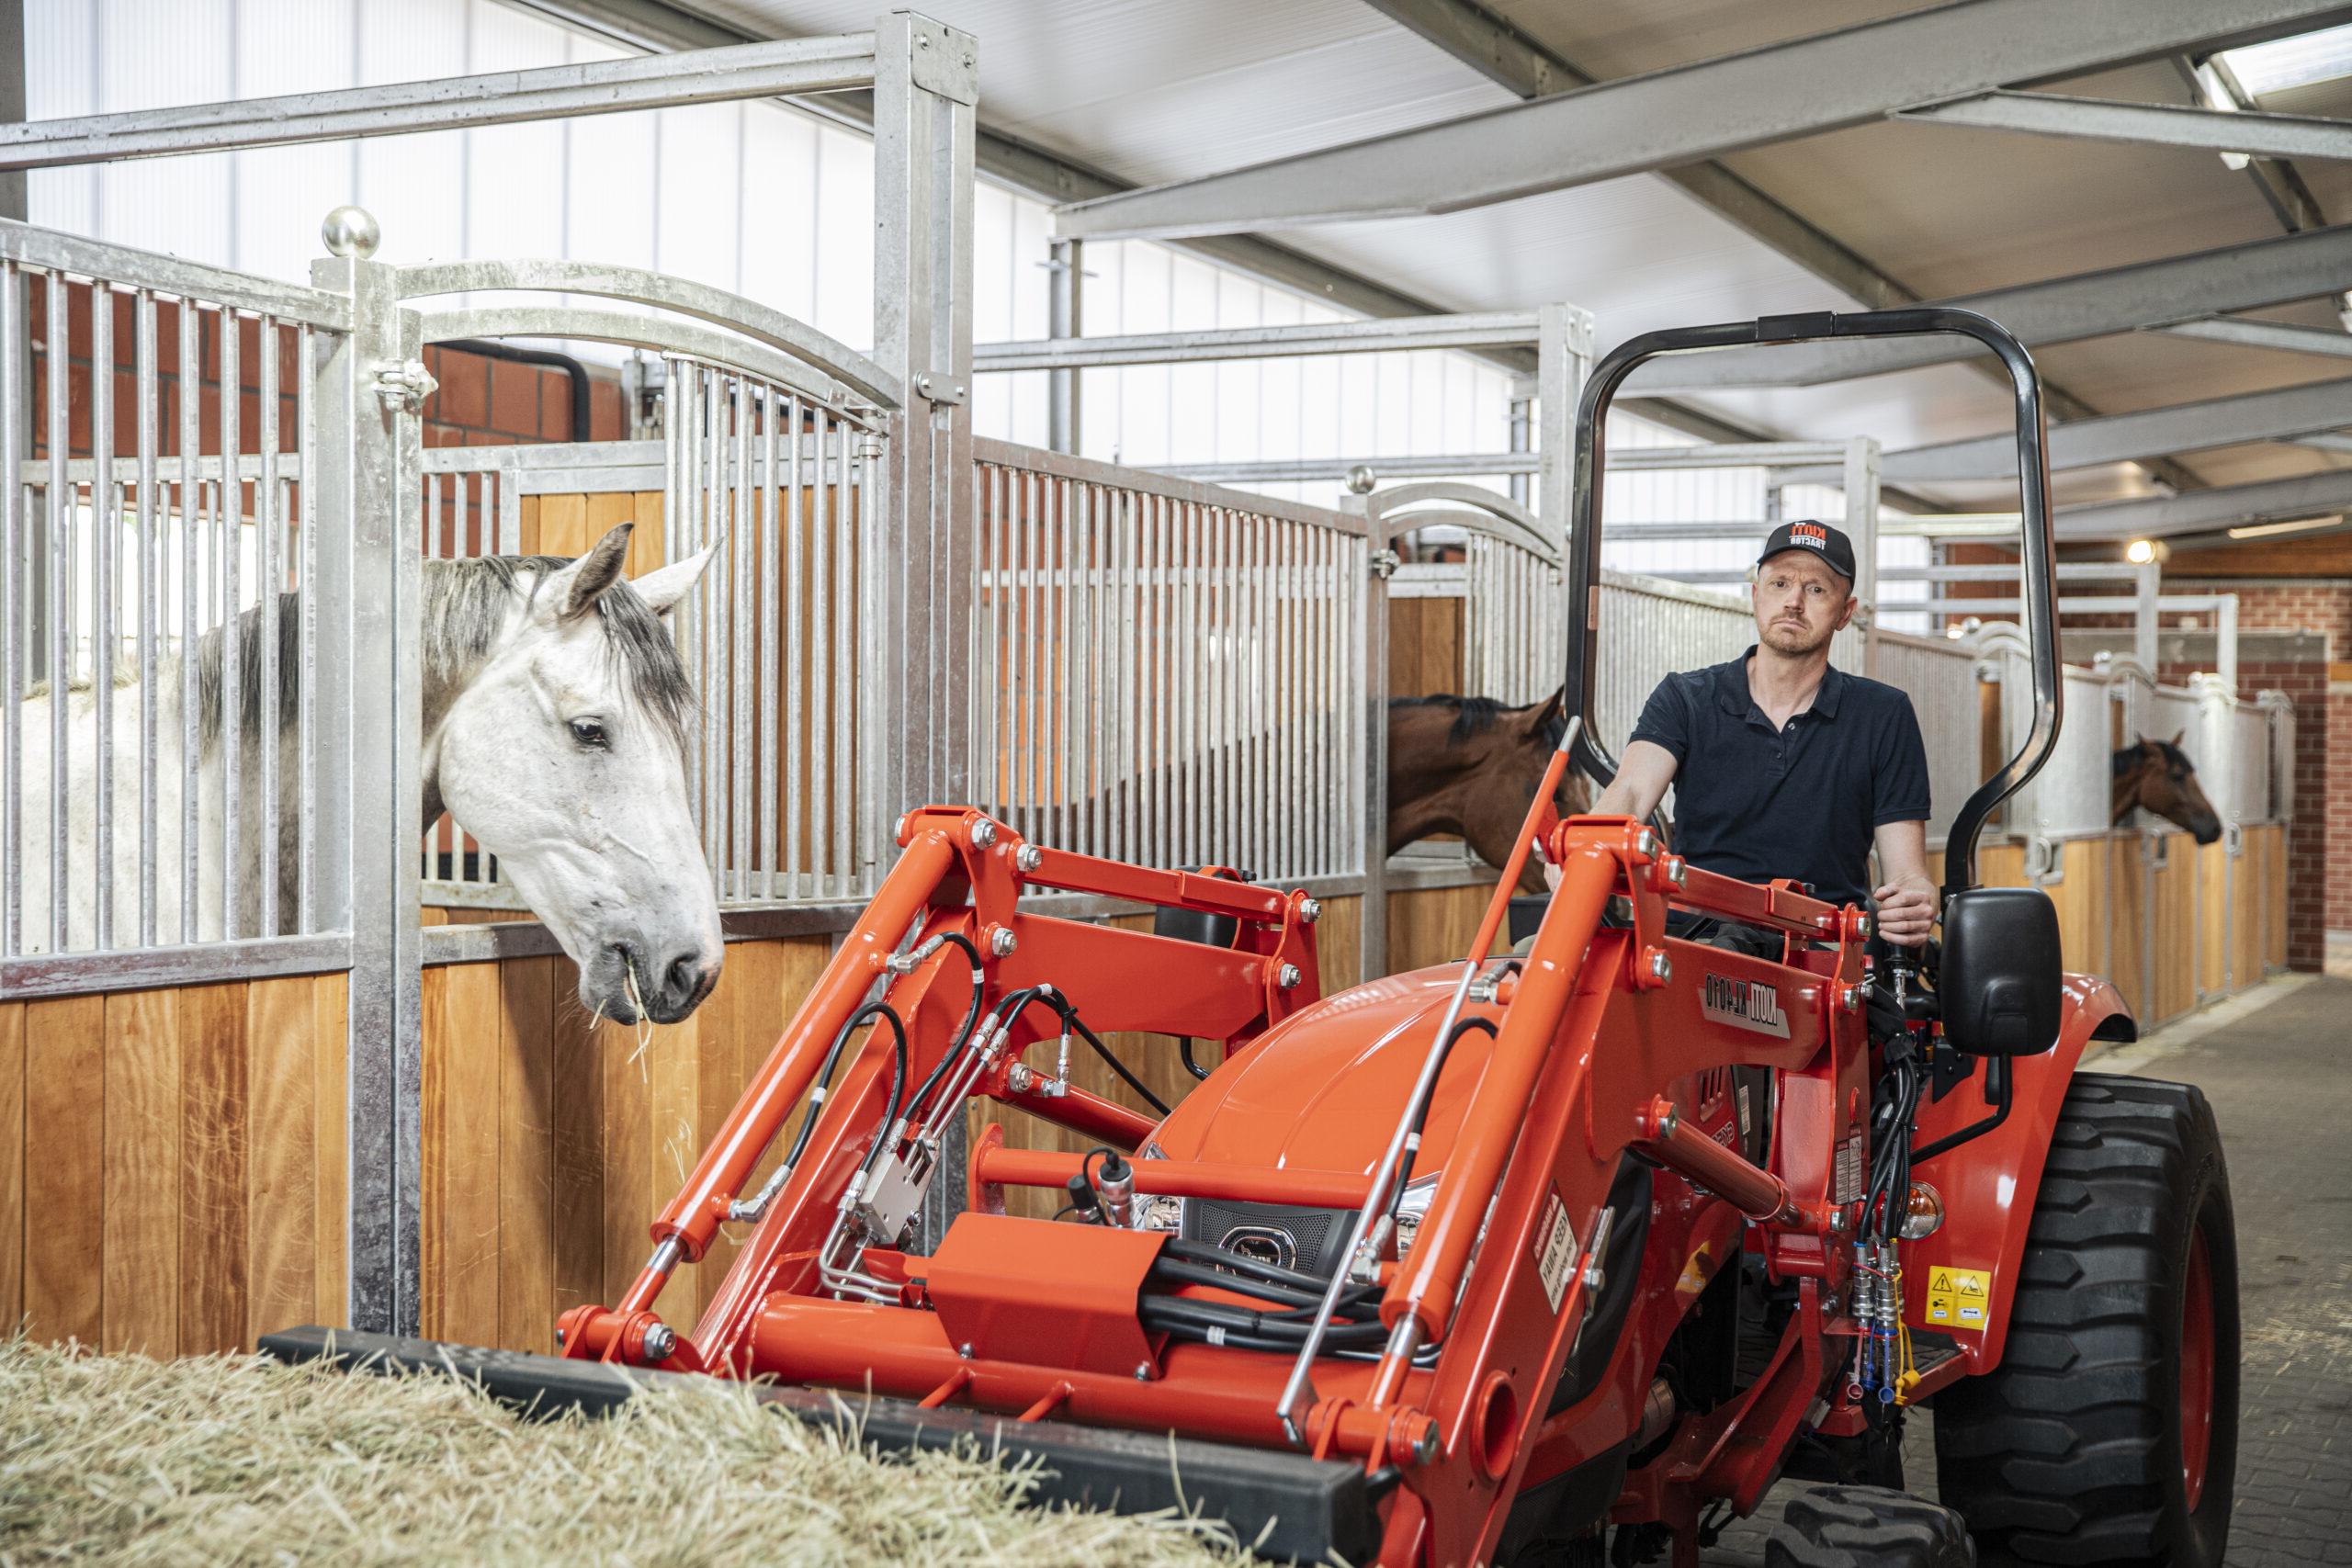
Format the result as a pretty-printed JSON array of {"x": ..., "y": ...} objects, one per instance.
[
  {"x": 738, "y": 1006},
  {"x": 2274, "y": 874},
  {"x": 531, "y": 991},
  {"x": 461, "y": 1006},
  {"x": 2248, "y": 907},
  {"x": 213, "y": 1236},
  {"x": 2080, "y": 893},
  {"x": 64, "y": 1167},
  {"x": 1433, "y": 925},
  {"x": 563, "y": 526},
  {"x": 527, "y": 519},
  {"x": 1339, "y": 941},
  {"x": 672, "y": 1064},
  {"x": 330, "y": 1213},
  {"x": 628, "y": 1156},
  {"x": 642, "y": 508},
  {"x": 2127, "y": 899},
  {"x": 2212, "y": 905},
  {"x": 139, "y": 1261},
  {"x": 11, "y": 1165},
  {"x": 2176, "y": 918},
  {"x": 281, "y": 1167},
  {"x": 576, "y": 1174}
]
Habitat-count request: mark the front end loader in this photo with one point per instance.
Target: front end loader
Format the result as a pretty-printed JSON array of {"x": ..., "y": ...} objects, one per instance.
[{"x": 1564, "y": 1257}]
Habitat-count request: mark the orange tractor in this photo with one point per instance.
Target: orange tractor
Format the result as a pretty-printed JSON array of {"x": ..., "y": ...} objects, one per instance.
[{"x": 1564, "y": 1257}]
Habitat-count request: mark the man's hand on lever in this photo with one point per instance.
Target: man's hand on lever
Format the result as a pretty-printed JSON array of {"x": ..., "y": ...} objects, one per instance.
[{"x": 1906, "y": 901}]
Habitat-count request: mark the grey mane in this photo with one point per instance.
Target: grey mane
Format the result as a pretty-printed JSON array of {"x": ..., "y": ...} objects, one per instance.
[{"x": 465, "y": 606}]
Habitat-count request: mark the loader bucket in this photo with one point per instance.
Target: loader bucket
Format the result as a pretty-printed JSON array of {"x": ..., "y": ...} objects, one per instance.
[{"x": 1283, "y": 1505}]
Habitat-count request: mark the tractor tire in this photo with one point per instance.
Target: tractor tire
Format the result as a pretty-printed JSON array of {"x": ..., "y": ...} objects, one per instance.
[
  {"x": 1866, "y": 1526},
  {"x": 2109, "y": 1432}
]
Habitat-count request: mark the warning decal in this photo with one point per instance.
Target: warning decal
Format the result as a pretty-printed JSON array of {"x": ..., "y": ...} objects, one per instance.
[
  {"x": 1556, "y": 1250},
  {"x": 1956, "y": 1297}
]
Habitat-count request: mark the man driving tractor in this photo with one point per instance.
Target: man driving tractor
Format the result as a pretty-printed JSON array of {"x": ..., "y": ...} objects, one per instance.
[{"x": 1784, "y": 766}]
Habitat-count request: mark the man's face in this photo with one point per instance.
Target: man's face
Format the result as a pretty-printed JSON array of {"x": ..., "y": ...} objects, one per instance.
[{"x": 1800, "y": 603}]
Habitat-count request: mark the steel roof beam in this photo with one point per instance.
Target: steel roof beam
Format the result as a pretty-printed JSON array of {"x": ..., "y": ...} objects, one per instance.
[
  {"x": 2267, "y": 334},
  {"x": 2092, "y": 304},
  {"x": 1687, "y": 114},
  {"x": 2268, "y": 500},
  {"x": 2255, "y": 133},
  {"x": 2278, "y": 415}
]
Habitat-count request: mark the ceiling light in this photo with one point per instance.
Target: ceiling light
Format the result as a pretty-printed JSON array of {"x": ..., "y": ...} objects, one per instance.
[
  {"x": 2302, "y": 525},
  {"x": 2140, "y": 552},
  {"x": 2297, "y": 61}
]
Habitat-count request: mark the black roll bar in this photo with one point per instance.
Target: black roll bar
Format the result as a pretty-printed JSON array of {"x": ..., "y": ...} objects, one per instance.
[{"x": 2040, "y": 551}]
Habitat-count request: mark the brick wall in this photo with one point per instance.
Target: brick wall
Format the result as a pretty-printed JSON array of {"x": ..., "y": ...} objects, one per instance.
[
  {"x": 495, "y": 403},
  {"x": 2319, "y": 841},
  {"x": 481, "y": 401}
]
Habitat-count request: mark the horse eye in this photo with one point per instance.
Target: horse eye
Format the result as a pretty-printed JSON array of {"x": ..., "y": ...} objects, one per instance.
[{"x": 588, "y": 732}]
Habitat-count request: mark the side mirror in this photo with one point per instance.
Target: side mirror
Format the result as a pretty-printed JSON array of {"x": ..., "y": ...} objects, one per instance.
[{"x": 2000, "y": 984}]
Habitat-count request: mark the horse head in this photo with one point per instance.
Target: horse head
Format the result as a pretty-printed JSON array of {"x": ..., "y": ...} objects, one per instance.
[
  {"x": 1469, "y": 765},
  {"x": 2156, "y": 776},
  {"x": 555, "y": 734}
]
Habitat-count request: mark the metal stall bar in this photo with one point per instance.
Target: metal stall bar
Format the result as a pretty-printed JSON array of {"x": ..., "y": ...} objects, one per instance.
[{"x": 400, "y": 108}]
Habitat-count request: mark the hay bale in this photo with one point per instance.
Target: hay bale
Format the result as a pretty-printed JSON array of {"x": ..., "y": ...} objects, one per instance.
[{"x": 124, "y": 1460}]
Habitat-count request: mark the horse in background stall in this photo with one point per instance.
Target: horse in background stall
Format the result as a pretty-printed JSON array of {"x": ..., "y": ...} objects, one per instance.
[
  {"x": 1469, "y": 766},
  {"x": 555, "y": 710},
  {"x": 2158, "y": 777}
]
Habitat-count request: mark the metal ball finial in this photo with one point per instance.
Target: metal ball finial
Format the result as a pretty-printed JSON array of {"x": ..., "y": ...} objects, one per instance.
[
  {"x": 1361, "y": 479},
  {"x": 351, "y": 231}
]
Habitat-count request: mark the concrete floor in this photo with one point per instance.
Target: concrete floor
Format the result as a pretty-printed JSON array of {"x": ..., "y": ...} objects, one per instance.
[{"x": 2277, "y": 1064}]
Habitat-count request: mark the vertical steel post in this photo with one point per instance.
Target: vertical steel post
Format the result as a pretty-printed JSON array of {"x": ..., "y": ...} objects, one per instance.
[
  {"x": 915, "y": 715},
  {"x": 368, "y": 457},
  {"x": 1065, "y": 318},
  {"x": 1862, "y": 527},
  {"x": 2146, "y": 586},
  {"x": 1371, "y": 921},
  {"x": 1523, "y": 391}
]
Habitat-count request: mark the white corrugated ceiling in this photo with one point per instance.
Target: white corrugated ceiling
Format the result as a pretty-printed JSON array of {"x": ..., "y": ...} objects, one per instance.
[{"x": 1153, "y": 91}]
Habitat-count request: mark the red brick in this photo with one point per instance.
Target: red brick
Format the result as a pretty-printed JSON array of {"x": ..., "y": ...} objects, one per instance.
[
  {"x": 515, "y": 399},
  {"x": 464, "y": 397},
  {"x": 555, "y": 406}
]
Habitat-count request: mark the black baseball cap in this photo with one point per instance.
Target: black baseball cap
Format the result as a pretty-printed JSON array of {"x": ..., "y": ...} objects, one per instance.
[{"x": 1837, "y": 552}]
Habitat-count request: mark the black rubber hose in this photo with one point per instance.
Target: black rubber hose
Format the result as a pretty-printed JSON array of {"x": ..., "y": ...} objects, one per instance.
[
  {"x": 1420, "y": 1122},
  {"x": 1219, "y": 1257},
  {"x": 898, "y": 1082},
  {"x": 964, "y": 1033},
  {"x": 1069, "y": 1016},
  {"x": 825, "y": 1073},
  {"x": 1184, "y": 1049}
]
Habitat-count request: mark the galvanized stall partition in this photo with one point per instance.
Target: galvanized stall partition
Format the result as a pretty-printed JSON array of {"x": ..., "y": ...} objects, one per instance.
[{"x": 186, "y": 496}]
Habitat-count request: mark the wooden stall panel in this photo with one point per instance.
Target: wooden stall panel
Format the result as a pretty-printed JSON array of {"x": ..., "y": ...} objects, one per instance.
[
  {"x": 2274, "y": 895},
  {"x": 2175, "y": 911},
  {"x": 12, "y": 1162},
  {"x": 1433, "y": 925},
  {"x": 64, "y": 1182},
  {"x": 2127, "y": 903},
  {"x": 2212, "y": 917},
  {"x": 1425, "y": 648},
  {"x": 551, "y": 1139},
  {"x": 140, "y": 1258}
]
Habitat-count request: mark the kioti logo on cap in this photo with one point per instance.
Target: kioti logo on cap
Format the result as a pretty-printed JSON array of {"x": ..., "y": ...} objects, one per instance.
[{"x": 1830, "y": 545}]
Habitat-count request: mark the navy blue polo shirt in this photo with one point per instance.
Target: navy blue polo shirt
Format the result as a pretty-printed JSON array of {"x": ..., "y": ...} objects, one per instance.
[{"x": 1804, "y": 802}]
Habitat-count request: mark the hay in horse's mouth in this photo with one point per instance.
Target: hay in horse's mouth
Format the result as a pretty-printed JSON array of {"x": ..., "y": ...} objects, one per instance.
[{"x": 233, "y": 1459}]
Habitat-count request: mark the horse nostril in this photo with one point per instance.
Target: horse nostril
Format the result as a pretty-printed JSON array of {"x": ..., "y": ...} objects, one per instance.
[{"x": 683, "y": 977}]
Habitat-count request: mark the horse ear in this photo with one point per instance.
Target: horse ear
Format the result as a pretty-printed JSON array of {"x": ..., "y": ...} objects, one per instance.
[
  {"x": 2177, "y": 739},
  {"x": 572, "y": 591},
  {"x": 663, "y": 589},
  {"x": 1553, "y": 712}
]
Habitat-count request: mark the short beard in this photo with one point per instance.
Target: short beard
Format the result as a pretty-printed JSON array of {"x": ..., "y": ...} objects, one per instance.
[{"x": 1794, "y": 644}]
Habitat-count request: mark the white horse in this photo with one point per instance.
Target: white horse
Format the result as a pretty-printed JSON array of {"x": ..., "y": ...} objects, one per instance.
[{"x": 555, "y": 720}]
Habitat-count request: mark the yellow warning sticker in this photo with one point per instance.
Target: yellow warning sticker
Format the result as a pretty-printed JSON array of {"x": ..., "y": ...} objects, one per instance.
[{"x": 1956, "y": 1297}]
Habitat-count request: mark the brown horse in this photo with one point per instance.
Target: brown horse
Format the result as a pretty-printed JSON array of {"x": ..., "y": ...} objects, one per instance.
[
  {"x": 2158, "y": 777},
  {"x": 1469, "y": 766}
]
